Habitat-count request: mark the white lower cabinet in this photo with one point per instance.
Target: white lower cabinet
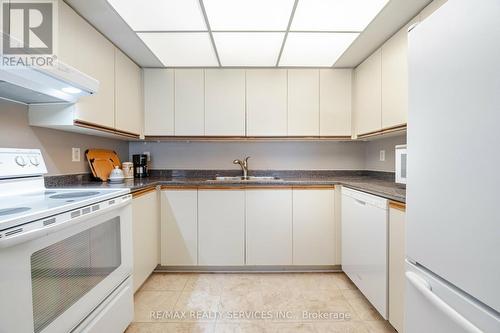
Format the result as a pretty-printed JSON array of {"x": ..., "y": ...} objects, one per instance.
[
  {"x": 269, "y": 226},
  {"x": 179, "y": 227},
  {"x": 397, "y": 227},
  {"x": 146, "y": 240},
  {"x": 221, "y": 227},
  {"x": 314, "y": 227}
]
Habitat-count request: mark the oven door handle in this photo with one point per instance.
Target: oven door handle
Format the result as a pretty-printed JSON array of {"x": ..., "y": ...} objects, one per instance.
[{"x": 26, "y": 233}]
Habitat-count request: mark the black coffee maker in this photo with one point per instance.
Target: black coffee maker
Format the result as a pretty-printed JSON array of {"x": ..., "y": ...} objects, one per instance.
[{"x": 140, "y": 165}]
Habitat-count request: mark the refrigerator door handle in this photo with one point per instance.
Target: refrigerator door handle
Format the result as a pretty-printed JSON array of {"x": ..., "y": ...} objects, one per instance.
[{"x": 426, "y": 290}]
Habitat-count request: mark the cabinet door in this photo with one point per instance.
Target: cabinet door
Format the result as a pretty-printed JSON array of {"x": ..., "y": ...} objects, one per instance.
[
  {"x": 146, "y": 240},
  {"x": 395, "y": 80},
  {"x": 303, "y": 102},
  {"x": 189, "y": 102},
  {"x": 221, "y": 240},
  {"x": 397, "y": 267},
  {"x": 367, "y": 92},
  {"x": 159, "y": 102},
  {"x": 179, "y": 228},
  {"x": 128, "y": 95},
  {"x": 269, "y": 227},
  {"x": 335, "y": 102},
  {"x": 225, "y": 102},
  {"x": 314, "y": 227},
  {"x": 266, "y": 102},
  {"x": 85, "y": 49}
]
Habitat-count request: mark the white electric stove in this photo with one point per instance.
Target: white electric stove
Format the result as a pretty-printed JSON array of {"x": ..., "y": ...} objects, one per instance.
[{"x": 65, "y": 254}]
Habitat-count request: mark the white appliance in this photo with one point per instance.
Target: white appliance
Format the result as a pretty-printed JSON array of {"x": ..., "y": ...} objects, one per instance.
[
  {"x": 364, "y": 245},
  {"x": 65, "y": 254},
  {"x": 401, "y": 164},
  {"x": 453, "y": 228},
  {"x": 59, "y": 83}
]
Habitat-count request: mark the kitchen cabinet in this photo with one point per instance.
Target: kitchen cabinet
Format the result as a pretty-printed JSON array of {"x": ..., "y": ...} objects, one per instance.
[
  {"x": 335, "y": 102},
  {"x": 314, "y": 237},
  {"x": 266, "y": 102},
  {"x": 397, "y": 254},
  {"x": 269, "y": 226},
  {"x": 395, "y": 80},
  {"x": 221, "y": 227},
  {"x": 189, "y": 102},
  {"x": 128, "y": 95},
  {"x": 179, "y": 214},
  {"x": 367, "y": 94},
  {"x": 303, "y": 102},
  {"x": 84, "y": 48},
  {"x": 225, "y": 102},
  {"x": 365, "y": 245},
  {"x": 146, "y": 232},
  {"x": 158, "y": 102}
]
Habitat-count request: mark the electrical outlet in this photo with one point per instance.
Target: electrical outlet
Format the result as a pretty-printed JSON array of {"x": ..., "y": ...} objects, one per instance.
[
  {"x": 382, "y": 155},
  {"x": 148, "y": 154},
  {"x": 75, "y": 154}
]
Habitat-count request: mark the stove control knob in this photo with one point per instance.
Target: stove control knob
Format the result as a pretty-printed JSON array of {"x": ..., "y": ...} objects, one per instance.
[
  {"x": 34, "y": 161},
  {"x": 20, "y": 161}
]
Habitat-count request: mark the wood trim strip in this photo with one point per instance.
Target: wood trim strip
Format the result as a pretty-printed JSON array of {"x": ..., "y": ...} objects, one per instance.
[
  {"x": 97, "y": 127},
  {"x": 314, "y": 187},
  {"x": 178, "y": 187},
  {"x": 397, "y": 205},
  {"x": 143, "y": 191},
  {"x": 245, "y": 187},
  {"x": 386, "y": 130},
  {"x": 246, "y": 138}
]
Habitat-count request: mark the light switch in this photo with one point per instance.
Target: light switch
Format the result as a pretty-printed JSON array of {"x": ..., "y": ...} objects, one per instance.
[
  {"x": 382, "y": 155},
  {"x": 75, "y": 154}
]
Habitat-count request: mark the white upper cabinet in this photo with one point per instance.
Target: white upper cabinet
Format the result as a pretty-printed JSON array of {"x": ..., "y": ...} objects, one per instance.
[
  {"x": 225, "y": 102},
  {"x": 189, "y": 102},
  {"x": 314, "y": 227},
  {"x": 128, "y": 95},
  {"x": 368, "y": 94},
  {"x": 269, "y": 226},
  {"x": 221, "y": 227},
  {"x": 84, "y": 48},
  {"x": 179, "y": 227},
  {"x": 159, "y": 102},
  {"x": 395, "y": 80},
  {"x": 335, "y": 102},
  {"x": 303, "y": 102},
  {"x": 267, "y": 102}
]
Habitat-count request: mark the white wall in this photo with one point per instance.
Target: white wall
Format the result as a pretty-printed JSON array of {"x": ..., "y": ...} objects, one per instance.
[{"x": 265, "y": 155}]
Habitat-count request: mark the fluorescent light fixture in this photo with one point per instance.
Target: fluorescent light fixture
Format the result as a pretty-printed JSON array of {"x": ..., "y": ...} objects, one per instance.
[
  {"x": 71, "y": 90},
  {"x": 248, "y": 49},
  {"x": 161, "y": 15},
  {"x": 175, "y": 49},
  {"x": 320, "y": 49},
  {"x": 249, "y": 15},
  {"x": 335, "y": 15}
]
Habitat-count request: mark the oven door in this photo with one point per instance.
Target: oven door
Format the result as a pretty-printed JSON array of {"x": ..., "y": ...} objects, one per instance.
[{"x": 50, "y": 283}]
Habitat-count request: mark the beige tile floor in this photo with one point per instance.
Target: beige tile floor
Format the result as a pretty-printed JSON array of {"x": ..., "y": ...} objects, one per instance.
[{"x": 240, "y": 303}]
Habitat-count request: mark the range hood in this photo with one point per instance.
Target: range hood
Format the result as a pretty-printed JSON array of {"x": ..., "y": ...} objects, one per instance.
[{"x": 42, "y": 85}]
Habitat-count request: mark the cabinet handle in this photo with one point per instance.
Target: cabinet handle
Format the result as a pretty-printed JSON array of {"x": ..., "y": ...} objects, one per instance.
[{"x": 360, "y": 202}]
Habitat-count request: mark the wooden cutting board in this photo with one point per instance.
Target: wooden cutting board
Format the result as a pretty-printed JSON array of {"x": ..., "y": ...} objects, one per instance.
[{"x": 102, "y": 162}]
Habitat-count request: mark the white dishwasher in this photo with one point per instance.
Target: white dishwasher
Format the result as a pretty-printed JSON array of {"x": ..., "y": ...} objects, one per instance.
[{"x": 365, "y": 246}]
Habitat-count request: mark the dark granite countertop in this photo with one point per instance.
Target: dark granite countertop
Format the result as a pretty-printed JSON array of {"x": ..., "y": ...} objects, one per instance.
[{"x": 377, "y": 183}]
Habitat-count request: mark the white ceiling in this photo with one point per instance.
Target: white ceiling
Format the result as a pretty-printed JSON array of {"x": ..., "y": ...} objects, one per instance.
[{"x": 248, "y": 33}]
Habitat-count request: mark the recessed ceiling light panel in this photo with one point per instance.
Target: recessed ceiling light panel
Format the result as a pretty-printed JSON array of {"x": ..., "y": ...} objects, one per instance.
[
  {"x": 248, "y": 49},
  {"x": 314, "y": 49},
  {"x": 335, "y": 15},
  {"x": 190, "y": 49},
  {"x": 249, "y": 15},
  {"x": 161, "y": 15}
]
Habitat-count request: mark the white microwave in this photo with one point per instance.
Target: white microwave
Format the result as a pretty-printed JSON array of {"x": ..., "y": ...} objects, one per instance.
[{"x": 401, "y": 162}]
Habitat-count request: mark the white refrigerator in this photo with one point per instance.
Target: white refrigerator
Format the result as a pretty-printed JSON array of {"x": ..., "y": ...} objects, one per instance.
[{"x": 453, "y": 189}]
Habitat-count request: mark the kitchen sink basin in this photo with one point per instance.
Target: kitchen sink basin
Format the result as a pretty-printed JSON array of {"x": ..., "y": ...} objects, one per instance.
[{"x": 247, "y": 179}]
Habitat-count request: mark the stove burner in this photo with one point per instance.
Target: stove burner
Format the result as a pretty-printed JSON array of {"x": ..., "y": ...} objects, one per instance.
[
  {"x": 10, "y": 211},
  {"x": 73, "y": 195}
]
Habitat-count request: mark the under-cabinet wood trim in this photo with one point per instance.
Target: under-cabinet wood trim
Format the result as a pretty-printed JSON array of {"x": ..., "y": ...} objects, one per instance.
[
  {"x": 397, "y": 205},
  {"x": 97, "y": 127},
  {"x": 386, "y": 130},
  {"x": 246, "y": 138}
]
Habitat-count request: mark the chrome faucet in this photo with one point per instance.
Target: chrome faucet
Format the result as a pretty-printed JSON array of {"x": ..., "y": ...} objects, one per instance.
[{"x": 244, "y": 166}]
